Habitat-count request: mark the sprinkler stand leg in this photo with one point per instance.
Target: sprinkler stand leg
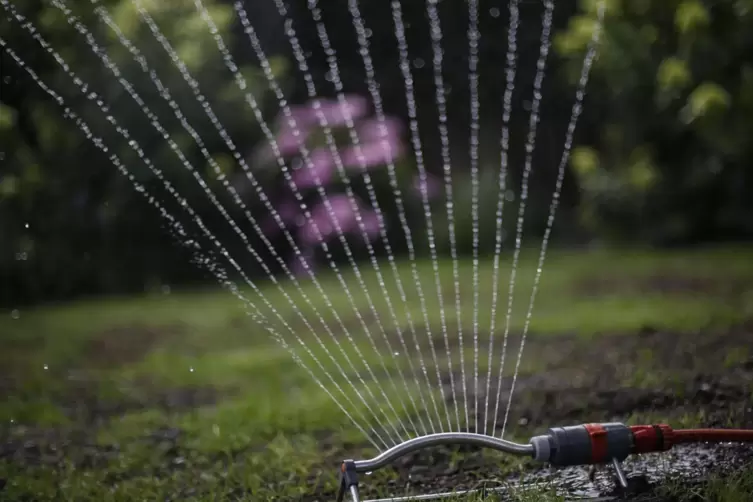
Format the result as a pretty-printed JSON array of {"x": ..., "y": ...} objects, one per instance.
[
  {"x": 621, "y": 477},
  {"x": 348, "y": 482}
]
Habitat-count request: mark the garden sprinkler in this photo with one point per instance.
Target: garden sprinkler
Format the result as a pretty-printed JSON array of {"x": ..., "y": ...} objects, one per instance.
[{"x": 587, "y": 444}]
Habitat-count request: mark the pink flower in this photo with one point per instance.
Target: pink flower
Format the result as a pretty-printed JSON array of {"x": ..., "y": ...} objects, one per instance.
[
  {"x": 374, "y": 130},
  {"x": 290, "y": 139},
  {"x": 342, "y": 214},
  {"x": 370, "y": 222},
  {"x": 379, "y": 144},
  {"x": 371, "y": 155},
  {"x": 337, "y": 114},
  {"x": 296, "y": 129},
  {"x": 322, "y": 166}
]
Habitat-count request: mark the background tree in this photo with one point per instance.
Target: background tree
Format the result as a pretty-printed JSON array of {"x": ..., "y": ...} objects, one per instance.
[
  {"x": 673, "y": 88},
  {"x": 70, "y": 223}
]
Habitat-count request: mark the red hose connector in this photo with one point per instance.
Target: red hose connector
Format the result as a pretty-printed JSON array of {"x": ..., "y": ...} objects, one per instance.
[
  {"x": 599, "y": 443},
  {"x": 652, "y": 438}
]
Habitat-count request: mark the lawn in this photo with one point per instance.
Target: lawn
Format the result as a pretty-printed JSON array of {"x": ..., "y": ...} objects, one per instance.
[{"x": 181, "y": 395}]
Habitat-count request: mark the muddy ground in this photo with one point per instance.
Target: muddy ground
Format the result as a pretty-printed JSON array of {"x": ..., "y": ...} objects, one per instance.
[{"x": 702, "y": 378}]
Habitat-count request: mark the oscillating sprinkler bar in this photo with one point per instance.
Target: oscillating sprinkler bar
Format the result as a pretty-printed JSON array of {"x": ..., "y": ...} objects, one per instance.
[{"x": 587, "y": 444}]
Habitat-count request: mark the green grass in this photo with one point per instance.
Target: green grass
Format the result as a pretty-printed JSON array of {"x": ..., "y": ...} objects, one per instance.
[{"x": 264, "y": 428}]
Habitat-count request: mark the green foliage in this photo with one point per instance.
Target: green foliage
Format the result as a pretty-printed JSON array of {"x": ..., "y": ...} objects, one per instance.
[
  {"x": 707, "y": 99},
  {"x": 691, "y": 16},
  {"x": 673, "y": 74},
  {"x": 673, "y": 84},
  {"x": 57, "y": 188}
]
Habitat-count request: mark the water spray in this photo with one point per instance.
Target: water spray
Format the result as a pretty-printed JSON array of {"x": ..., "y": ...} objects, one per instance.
[{"x": 586, "y": 444}]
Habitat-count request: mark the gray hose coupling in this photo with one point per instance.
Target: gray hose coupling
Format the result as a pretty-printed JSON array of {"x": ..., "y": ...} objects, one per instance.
[{"x": 583, "y": 444}]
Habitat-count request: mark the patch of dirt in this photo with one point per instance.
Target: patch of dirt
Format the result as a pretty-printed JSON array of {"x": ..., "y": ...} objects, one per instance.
[
  {"x": 127, "y": 344},
  {"x": 612, "y": 376},
  {"x": 665, "y": 284}
]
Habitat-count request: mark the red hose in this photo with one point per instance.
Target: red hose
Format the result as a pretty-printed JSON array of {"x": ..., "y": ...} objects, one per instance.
[
  {"x": 661, "y": 437},
  {"x": 713, "y": 436}
]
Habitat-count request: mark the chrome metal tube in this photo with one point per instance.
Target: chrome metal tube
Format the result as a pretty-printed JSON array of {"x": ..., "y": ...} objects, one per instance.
[{"x": 443, "y": 438}]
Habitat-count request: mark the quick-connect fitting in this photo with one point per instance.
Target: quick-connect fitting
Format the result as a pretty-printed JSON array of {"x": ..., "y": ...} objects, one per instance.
[
  {"x": 600, "y": 443},
  {"x": 652, "y": 438},
  {"x": 584, "y": 444}
]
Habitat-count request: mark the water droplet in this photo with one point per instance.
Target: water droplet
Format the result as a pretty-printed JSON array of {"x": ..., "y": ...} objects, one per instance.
[
  {"x": 190, "y": 369},
  {"x": 46, "y": 367},
  {"x": 15, "y": 314},
  {"x": 494, "y": 12},
  {"x": 26, "y": 225}
]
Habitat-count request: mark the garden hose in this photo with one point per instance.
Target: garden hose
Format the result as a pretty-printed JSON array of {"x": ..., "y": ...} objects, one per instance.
[{"x": 586, "y": 444}]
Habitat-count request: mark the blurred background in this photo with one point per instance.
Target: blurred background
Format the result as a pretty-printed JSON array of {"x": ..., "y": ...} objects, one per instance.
[{"x": 662, "y": 155}]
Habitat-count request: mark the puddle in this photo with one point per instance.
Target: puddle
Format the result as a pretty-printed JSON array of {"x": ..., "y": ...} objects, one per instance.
[{"x": 691, "y": 463}]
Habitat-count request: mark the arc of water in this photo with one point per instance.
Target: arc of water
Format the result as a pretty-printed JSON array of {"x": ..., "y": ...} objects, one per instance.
[
  {"x": 561, "y": 169},
  {"x": 253, "y": 38},
  {"x": 157, "y": 125},
  {"x": 397, "y": 17},
  {"x": 510, "y": 72},
  {"x": 530, "y": 146},
  {"x": 251, "y": 100},
  {"x": 232, "y": 66},
  {"x": 474, "y": 36},
  {"x": 441, "y": 99},
  {"x": 219, "y": 273},
  {"x": 391, "y": 170}
]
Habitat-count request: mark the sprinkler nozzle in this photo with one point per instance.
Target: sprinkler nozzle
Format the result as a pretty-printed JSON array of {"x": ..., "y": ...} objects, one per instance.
[
  {"x": 600, "y": 443},
  {"x": 584, "y": 444}
]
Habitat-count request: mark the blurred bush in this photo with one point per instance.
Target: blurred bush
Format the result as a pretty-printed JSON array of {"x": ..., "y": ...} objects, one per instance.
[
  {"x": 69, "y": 222},
  {"x": 673, "y": 88}
]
